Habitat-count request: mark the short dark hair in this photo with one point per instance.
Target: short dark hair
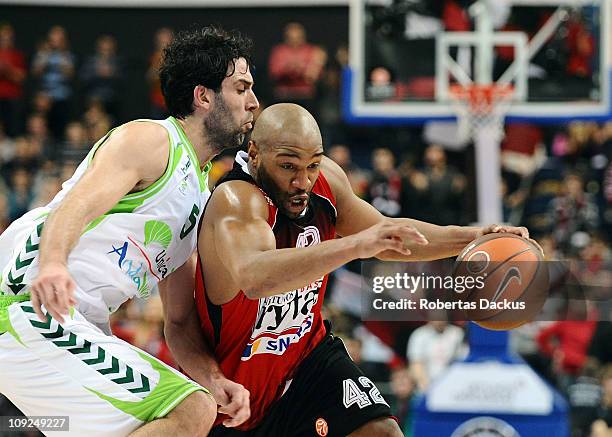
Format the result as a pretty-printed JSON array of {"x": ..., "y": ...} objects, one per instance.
[{"x": 199, "y": 57}]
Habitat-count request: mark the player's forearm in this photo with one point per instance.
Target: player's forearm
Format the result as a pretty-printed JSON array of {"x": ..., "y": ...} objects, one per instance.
[
  {"x": 62, "y": 230},
  {"x": 281, "y": 270},
  {"x": 444, "y": 242},
  {"x": 192, "y": 353}
]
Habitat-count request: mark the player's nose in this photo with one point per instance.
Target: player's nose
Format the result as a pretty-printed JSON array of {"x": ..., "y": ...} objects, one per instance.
[
  {"x": 301, "y": 181},
  {"x": 252, "y": 102}
]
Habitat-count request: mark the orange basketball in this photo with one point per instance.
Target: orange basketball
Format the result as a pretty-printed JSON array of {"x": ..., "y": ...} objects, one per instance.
[{"x": 511, "y": 280}]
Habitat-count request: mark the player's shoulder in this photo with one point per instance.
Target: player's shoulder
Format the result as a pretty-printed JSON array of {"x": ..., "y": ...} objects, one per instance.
[
  {"x": 145, "y": 142},
  {"x": 238, "y": 197},
  {"x": 145, "y": 132},
  {"x": 139, "y": 145}
]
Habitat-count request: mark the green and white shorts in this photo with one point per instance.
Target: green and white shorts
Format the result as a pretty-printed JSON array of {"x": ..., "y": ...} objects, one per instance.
[{"x": 104, "y": 385}]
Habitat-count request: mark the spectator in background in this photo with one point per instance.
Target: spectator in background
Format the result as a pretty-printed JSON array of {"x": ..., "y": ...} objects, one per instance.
[
  {"x": 573, "y": 210},
  {"x": 602, "y": 427},
  {"x": 41, "y": 105},
  {"x": 584, "y": 397},
  {"x": 522, "y": 153},
  {"x": 549, "y": 246},
  {"x": 357, "y": 177},
  {"x": 96, "y": 121},
  {"x": 7, "y": 146},
  {"x": 20, "y": 194},
  {"x": 76, "y": 145},
  {"x": 380, "y": 85},
  {"x": 431, "y": 348},
  {"x": 163, "y": 37},
  {"x": 523, "y": 342},
  {"x": 573, "y": 145},
  {"x": 333, "y": 127},
  {"x": 412, "y": 197},
  {"x": 54, "y": 67},
  {"x": 581, "y": 47},
  {"x": 402, "y": 399},
  {"x": 295, "y": 67},
  {"x": 101, "y": 73},
  {"x": 443, "y": 188},
  {"x": 566, "y": 343},
  {"x": 385, "y": 190},
  {"x": 12, "y": 75},
  {"x": 595, "y": 271},
  {"x": 25, "y": 157},
  {"x": 37, "y": 133}
]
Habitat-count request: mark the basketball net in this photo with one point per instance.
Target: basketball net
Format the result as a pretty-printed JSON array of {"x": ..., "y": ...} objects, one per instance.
[{"x": 481, "y": 108}]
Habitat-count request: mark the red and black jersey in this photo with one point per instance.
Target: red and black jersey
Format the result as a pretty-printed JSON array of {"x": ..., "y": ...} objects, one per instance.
[{"x": 260, "y": 343}]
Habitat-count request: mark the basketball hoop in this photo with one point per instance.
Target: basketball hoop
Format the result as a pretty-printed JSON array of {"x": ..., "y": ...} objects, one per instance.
[{"x": 481, "y": 107}]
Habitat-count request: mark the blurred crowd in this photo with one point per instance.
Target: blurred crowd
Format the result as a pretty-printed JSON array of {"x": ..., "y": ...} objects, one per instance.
[{"x": 557, "y": 180}]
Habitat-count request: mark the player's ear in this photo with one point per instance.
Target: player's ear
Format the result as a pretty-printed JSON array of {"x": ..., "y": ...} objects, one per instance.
[
  {"x": 253, "y": 152},
  {"x": 202, "y": 97}
]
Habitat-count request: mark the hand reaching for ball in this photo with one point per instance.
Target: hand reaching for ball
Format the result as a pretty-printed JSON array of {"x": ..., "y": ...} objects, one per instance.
[{"x": 521, "y": 231}]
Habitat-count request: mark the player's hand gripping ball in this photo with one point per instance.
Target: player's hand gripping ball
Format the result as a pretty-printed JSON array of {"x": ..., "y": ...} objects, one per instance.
[{"x": 510, "y": 280}]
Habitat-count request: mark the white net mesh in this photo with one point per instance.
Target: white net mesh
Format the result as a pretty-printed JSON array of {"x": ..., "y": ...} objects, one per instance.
[{"x": 481, "y": 107}]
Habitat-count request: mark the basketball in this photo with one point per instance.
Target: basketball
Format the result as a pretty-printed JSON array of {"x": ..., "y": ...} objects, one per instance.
[{"x": 511, "y": 280}]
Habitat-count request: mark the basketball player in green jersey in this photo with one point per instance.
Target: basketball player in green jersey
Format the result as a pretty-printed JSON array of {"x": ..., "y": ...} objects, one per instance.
[{"x": 123, "y": 226}]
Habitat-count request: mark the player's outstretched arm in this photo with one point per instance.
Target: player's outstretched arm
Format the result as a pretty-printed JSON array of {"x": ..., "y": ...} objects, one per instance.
[
  {"x": 237, "y": 214},
  {"x": 355, "y": 215},
  {"x": 134, "y": 156},
  {"x": 190, "y": 349}
]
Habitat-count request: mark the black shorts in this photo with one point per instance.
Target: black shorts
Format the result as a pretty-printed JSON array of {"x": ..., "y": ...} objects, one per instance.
[{"x": 329, "y": 396}]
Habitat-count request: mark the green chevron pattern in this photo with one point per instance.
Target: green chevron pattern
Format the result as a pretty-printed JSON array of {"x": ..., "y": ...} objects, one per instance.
[
  {"x": 42, "y": 325},
  {"x": 127, "y": 379},
  {"x": 67, "y": 343},
  {"x": 100, "y": 359},
  {"x": 110, "y": 370},
  {"x": 145, "y": 385},
  {"x": 90, "y": 354},
  {"x": 22, "y": 261},
  {"x": 85, "y": 349}
]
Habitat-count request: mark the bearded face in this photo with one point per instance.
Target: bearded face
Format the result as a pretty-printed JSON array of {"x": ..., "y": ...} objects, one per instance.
[{"x": 223, "y": 130}]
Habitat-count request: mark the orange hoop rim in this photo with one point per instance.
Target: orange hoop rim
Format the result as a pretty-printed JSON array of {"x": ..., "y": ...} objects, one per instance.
[{"x": 478, "y": 95}]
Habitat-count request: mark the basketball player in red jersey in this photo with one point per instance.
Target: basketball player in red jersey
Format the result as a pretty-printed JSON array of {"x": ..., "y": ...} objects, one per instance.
[{"x": 266, "y": 245}]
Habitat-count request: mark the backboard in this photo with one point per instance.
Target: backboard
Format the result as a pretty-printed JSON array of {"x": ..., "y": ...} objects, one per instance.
[{"x": 405, "y": 55}]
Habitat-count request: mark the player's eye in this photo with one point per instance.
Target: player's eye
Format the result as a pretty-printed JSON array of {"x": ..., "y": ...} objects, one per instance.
[
  {"x": 287, "y": 166},
  {"x": 314, "y": 165}
]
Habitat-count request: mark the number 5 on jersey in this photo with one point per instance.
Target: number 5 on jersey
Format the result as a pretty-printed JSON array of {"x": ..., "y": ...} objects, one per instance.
[{"x": 191, "y": 222}]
